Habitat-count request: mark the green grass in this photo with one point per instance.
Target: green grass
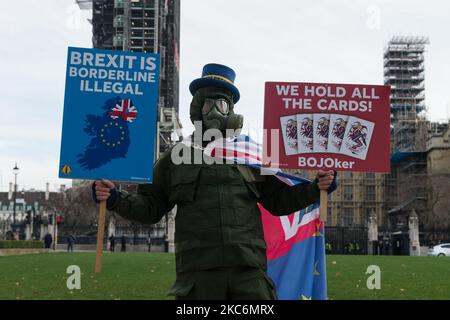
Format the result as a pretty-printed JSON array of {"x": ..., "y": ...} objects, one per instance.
[
  {"x": 150, "y": 275},
  {"x": 408, "y": 278},
  {"x": 123, "y": 276}
]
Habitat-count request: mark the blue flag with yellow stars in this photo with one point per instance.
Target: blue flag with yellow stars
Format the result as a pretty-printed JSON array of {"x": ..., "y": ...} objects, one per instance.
[{"x": 110, "y": 112}]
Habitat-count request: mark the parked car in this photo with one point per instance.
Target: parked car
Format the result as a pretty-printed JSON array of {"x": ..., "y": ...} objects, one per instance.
[{"x": 440, "y": 250}]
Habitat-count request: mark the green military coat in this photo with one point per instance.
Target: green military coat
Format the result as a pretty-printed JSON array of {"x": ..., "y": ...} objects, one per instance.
[{"x": 218, "y": 223}]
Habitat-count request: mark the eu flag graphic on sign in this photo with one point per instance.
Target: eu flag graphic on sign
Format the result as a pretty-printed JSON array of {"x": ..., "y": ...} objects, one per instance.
[
  {"x": 110, "y": 136},
  {"x": 110, "y": 109}
]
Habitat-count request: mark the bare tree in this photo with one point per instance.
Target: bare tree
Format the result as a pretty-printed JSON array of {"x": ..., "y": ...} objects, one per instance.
[
  {"x": 438, "y": 201},
  {"x": 75, "y": 206}
]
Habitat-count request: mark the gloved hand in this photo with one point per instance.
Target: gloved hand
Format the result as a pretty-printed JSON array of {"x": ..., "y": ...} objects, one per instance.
[
  {"x": 326, "y": 180},
  {"x": 104, "y": 190}
]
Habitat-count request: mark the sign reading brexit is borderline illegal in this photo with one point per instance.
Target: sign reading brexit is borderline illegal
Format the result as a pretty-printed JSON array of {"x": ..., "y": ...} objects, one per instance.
[
  {"x": 327, "y": 126},
  {"x": 110, "y": 111}
]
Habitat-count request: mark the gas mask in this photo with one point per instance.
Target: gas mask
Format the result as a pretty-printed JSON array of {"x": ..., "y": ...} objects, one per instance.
[
  {"x": 214, "y": 107},
  {"x": 215, "y": 113}
]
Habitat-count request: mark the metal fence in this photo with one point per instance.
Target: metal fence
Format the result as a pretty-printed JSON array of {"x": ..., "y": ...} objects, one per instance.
[
  {"x": 129, "y": 240},
  {"x": 346, "y": 240},
  {"x": 433, "y": 237},
  {"x": 135, "y": 235},
  {"x": 338, "y": 240}
]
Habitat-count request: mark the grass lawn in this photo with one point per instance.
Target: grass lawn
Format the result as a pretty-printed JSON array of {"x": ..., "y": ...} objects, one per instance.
[
  {"x": 150, "y": 275},
  {"x": 402, "y": 277},
  {"x": 123, "y": 276}
]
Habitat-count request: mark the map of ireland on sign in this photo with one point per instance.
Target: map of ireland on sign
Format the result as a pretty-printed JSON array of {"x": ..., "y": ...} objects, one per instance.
[{"x": 110, "y": 109}]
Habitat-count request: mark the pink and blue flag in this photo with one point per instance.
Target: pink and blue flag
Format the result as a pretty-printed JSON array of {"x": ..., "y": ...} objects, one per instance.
[{"x": 296, "y": 242}]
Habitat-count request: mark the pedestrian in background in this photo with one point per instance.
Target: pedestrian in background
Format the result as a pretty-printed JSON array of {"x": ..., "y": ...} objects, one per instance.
[
  {"x": 48, "y": 240},
  {"x": 70, "y": 242},
  {"x": 112, "y": 243},
  {"x": 124, "y": 243}
]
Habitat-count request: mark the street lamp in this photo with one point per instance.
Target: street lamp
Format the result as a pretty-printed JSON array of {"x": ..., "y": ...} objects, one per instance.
[{"x": 16, "y": 172}]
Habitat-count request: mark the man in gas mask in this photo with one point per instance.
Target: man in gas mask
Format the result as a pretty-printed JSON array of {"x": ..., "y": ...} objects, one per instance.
[{"x": 219, "y": 241}]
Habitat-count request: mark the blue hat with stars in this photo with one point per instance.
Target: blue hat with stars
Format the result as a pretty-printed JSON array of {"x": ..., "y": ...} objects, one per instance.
[{"x": 216, "y": 75}]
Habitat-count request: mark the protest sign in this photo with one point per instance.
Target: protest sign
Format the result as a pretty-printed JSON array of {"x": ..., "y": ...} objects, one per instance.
[
  {"x": 109, "y": 120},
  {"x": 340, "y": 127},
  {"x": 327, "y": 126},
  {"x": 110, "y": 111}
]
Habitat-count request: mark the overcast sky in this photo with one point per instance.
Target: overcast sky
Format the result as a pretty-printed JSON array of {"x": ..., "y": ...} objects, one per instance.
[{"x": 286, "y": 40}]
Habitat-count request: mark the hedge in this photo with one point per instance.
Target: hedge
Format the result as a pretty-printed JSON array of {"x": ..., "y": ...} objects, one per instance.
[{"x": 10, "y": 244}]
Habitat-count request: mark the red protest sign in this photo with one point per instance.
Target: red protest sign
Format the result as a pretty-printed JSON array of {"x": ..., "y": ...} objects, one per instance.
[{"x": 344, "y": 127}]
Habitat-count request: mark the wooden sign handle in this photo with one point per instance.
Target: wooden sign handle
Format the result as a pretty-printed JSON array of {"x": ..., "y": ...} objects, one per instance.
[
  {"x": 100, "y": 235},
  {"x": 323, "y": 205}
]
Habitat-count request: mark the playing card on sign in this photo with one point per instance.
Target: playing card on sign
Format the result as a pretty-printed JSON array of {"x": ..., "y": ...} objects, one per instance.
[
  {"x": 357, "y": 137},
  {"x": 289, "y": 132},
  {"x": 305, "y": 133},
  {"x": 321, "y": 128},
  {"x": 338, "y": 123}
]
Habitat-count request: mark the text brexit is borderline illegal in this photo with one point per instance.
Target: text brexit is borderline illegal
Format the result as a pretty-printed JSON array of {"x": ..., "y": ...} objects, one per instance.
[{"x": 116, "y": 79}]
